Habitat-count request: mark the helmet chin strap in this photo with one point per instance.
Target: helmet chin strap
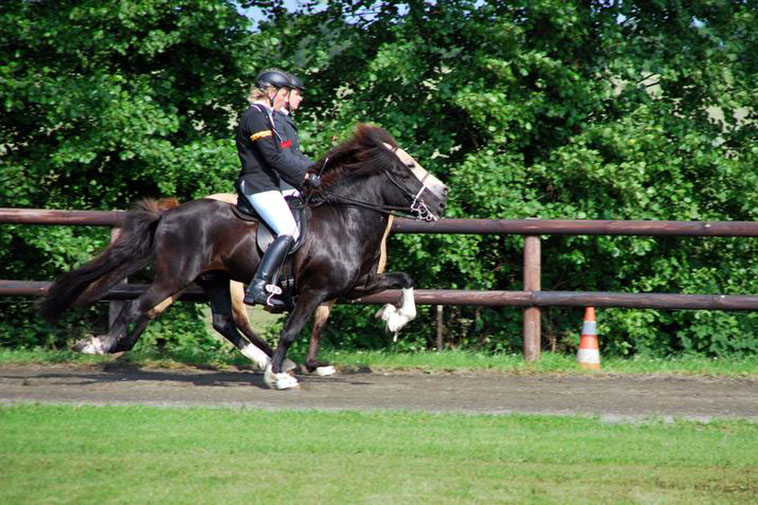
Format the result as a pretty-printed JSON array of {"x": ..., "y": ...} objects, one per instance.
[{"x": 271, "y": 100}]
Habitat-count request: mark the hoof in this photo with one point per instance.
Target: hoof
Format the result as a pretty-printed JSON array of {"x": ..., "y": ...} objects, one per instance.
[
  {"x": 90, "y": 345},
  {"x": 279, "y": 381},
  {"x": 325, "y": 371}
]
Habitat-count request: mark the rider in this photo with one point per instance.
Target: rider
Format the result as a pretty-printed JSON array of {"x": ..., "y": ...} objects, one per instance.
[
  {"x": 265, "y": 164},
  {"x": 287, "y": 129}
]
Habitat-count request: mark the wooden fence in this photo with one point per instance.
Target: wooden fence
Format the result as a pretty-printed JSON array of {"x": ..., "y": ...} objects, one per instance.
[{"x": 532, "y": 298}]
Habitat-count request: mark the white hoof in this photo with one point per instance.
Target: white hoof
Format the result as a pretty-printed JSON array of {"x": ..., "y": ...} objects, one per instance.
[
  {"x": 325, "y": 371},
  {"x": 259, "y": 358},
  {"x": 91, "y": 345},
  {"x": 279, "y": 380}
]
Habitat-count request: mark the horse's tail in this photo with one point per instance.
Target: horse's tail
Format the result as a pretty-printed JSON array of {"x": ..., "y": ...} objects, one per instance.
[{"x": 128, "y": 254}]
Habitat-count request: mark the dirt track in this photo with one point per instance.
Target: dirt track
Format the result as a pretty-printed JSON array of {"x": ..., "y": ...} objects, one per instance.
[{"x": 609, "y": 396}]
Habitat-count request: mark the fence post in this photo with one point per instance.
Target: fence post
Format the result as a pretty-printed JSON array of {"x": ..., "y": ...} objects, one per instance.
[
  {"x": 115, "y": 307},
  {"x": 532, "y": 282},
  {"x": 439, "y": 328}
]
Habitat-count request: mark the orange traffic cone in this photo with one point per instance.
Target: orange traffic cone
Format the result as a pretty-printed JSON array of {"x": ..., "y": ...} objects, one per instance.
[{"x": 588, "y": 354}]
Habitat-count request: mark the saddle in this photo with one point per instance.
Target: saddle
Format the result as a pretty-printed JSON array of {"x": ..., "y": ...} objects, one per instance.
[{"x": 264, "y": 237}]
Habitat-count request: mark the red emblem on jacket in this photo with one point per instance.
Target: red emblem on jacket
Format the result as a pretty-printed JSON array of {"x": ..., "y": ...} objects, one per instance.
[{"x": 287, "y": 144}]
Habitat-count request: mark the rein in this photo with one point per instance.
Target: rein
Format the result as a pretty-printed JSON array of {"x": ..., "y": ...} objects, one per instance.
[
  {"x": 383, "y": 209},
  {"x": 417, "y": 209}
]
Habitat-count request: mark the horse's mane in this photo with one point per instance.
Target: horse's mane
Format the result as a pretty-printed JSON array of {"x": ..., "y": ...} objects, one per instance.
[{"x": 363, "y": 153}]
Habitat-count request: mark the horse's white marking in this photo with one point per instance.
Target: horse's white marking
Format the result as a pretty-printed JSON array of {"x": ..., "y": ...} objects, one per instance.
[
  {"x": 408, "y": 308},
  {"x": 397, "y": 318},
  {"x": 325, "y": 371},
  {"x": 429, "y": 181},
  {"x": 259, "y": 358},
  {"x": 92, "y": 345},
  {"x": 279, "y": 380}
]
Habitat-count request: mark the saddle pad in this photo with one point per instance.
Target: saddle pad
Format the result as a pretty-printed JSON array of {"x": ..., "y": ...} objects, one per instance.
[{"x": 265, "y": 235}]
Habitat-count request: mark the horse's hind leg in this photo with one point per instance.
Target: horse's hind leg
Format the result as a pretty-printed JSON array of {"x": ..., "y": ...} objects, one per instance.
[
  {"x": 140, "y": 312},
  {"x": 216, "y": 286},
  {"x": 239, "y": 311},
  {"x": 312, "y": 363},
  {"x": 104, "y": 344}
]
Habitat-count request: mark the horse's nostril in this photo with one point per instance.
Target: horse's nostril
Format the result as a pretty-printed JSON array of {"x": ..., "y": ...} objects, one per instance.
[{"x": 443, "y": 205}]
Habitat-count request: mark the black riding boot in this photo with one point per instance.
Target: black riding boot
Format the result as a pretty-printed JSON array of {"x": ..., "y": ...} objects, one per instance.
[{"x": 261, "y": 290}]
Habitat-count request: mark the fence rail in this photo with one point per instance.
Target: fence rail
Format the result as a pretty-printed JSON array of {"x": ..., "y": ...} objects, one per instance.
[
  {"x": 531, "y": 299},
  {"x": 490, "y": 298},
  {"x": 453, "y": 226}
]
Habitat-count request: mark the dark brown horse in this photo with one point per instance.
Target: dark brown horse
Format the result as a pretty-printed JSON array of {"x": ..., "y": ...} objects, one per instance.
[
  {"x": 260, "y": 352},
  {"x": 365, "y": 179}
]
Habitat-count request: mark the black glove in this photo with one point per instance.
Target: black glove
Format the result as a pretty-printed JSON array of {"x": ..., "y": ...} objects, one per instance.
[{"x": 313, "y": 180}]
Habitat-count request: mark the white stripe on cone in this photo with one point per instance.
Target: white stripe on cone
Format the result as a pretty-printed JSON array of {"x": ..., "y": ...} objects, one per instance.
[{"x": 588, "y": 354}]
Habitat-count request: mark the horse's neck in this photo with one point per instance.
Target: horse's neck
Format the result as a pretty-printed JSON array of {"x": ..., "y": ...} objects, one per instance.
[
  {"x": 363, "y": 227},
  {"x": 362, "y": 224}
]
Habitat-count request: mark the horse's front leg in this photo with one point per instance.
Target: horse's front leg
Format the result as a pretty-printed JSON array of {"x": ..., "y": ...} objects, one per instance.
[
  {"x": 395, "y": 317},
  {"x": 306, "y": 305}
]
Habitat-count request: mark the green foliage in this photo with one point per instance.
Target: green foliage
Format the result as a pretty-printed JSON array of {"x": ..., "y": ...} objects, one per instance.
[{"x": 546, "y": 108}]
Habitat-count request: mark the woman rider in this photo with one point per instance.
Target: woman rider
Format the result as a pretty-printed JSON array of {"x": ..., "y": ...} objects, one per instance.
[
  {"x": 265, "y": 164},
  {"x": 287, "y": 129}
]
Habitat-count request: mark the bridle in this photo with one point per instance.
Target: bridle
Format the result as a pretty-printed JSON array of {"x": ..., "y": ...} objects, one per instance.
[{"x": 417, "y": 209}]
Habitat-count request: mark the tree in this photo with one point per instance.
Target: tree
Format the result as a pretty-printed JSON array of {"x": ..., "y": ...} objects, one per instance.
[
  {"x": 541, "y": 108},
  {"x": 108, "y": 102}
]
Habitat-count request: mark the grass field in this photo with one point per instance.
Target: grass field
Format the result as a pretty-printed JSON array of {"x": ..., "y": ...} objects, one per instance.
[
  {"x": 131, "y": 455},
  {"x": 444, "y": 361}
]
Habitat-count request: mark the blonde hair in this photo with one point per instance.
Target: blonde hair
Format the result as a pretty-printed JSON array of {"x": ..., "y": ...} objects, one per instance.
[{"x": 257, "y": 93}]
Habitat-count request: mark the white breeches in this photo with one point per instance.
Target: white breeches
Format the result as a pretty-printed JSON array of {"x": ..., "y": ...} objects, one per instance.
[{"x": 272, "y": 207}]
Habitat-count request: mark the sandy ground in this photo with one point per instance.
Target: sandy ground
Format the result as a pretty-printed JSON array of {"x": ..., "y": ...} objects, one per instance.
[{"x": 611, "y": 397}]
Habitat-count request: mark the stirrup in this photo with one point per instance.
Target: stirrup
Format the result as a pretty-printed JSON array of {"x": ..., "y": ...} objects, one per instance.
[
  {"x": 273, "y": 290},
  {"x": 264, "y": 296}
]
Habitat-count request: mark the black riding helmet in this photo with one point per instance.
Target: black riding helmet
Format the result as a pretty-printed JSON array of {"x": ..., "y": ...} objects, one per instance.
[
  {"x": 273, "y": 77},
  {"x": 296, "y": 82}
]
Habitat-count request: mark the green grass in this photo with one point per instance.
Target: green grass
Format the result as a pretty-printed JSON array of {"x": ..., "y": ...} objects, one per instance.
[
  {"x": 549, "y": 363},
  {"x": 429, "y": 361},
  {"x": 128, "y": 455}
]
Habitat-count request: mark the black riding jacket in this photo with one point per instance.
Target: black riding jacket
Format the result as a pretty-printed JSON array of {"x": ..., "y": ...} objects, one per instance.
[
  {"x": 266, "y": 157},
  {"x": 284, "y": 125},
  {"x": 290, "y": 138}
]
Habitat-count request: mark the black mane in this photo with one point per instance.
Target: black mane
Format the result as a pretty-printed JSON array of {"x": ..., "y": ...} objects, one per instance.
[{"x": 365, "y": 152}]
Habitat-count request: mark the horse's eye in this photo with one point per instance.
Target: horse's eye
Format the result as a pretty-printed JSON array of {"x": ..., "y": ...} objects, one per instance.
[{"x": 410, "y": 164}]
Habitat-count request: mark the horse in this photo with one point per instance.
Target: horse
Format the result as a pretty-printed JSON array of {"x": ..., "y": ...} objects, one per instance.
[
  {"x": 260, "y": 351},
  {"x": 364, "y": 180}
]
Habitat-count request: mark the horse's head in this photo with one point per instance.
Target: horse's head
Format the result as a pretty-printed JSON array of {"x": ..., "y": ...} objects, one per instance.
[
  {"x": 397, "y": 180},
  {"x": 427, "y": 194}
]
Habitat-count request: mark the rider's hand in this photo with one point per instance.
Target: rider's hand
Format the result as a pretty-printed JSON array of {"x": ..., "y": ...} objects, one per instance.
[{"x": 313, "y": 180}]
